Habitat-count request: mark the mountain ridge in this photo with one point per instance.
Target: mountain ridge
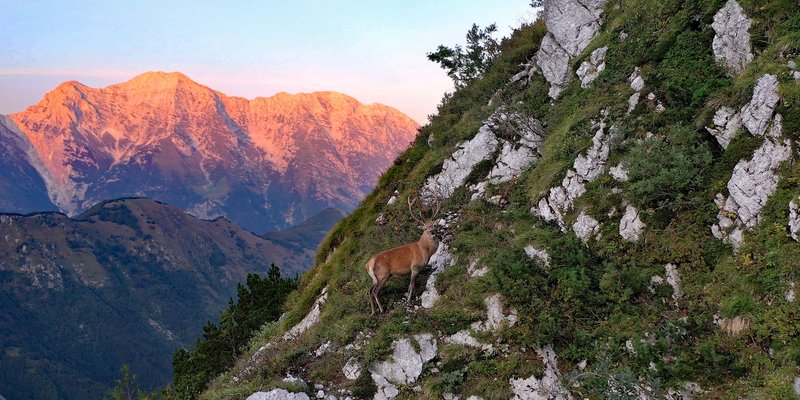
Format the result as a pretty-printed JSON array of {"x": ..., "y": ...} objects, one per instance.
[{"x": 267, "y": 163}]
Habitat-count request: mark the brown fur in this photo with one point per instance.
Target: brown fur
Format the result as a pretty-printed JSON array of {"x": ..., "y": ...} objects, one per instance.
[{"x": 407, "y": 259}]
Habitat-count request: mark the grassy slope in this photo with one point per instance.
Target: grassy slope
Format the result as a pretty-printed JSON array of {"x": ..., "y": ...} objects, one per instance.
[{"x": 594, "y": 298}]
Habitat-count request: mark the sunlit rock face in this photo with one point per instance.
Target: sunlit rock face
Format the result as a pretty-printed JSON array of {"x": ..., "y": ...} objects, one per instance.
[{"x": 266, "y": 163}]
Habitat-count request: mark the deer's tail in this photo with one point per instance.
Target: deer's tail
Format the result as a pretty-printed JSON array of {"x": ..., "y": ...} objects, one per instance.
[{"x": 371, "y": 270}]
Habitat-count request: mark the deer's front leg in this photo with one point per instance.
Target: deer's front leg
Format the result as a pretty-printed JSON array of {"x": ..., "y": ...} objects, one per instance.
[{"x": 414, "y": 273}]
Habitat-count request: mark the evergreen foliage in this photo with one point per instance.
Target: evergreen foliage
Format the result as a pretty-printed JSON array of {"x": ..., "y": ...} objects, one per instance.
[{"x": 260, "y": 301}]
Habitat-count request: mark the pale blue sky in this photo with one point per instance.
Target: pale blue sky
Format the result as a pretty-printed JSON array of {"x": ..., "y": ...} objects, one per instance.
[{"x": 372, "y": 50}]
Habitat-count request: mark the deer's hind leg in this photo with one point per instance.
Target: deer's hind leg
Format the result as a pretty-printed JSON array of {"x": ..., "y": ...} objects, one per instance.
[
  {"x": 377, "y": 289},
  {"x": 414, "y": 273}
]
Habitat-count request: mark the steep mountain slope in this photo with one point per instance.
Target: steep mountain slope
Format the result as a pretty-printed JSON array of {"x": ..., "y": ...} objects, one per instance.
[
  {"x": 22, "y": 187},
  {"x": 127, "y": 281},
  {"x": 266, "y": 163},
  {"x": 620, "y": 220}
]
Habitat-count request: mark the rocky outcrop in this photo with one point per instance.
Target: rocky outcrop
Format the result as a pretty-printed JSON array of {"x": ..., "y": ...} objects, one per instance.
[
  {"x": 620, "y": 173},
  {"x": 405, "y": 365},
  {"x": 732, "y": 40},
  {"x": 278, "y": 394},
  {"x": 495, "y": 318},
  {"x": 754, "y": 180},
  {"x": 440, "y": 260},
  {"x": 757, "y": 113},
  {"x": 351, "y": 369},
  {"x": 794, "y": 220},
  {"x": 548, "y": 387},
  {"x": 571, "y": 25},
  {"x": 591, "y": 68},
  {"x": 630, "y": 226},
  {"x": 310, "y": 319},
  {"x": 456, "y": 169},
  {"x": 751, "y": 185},
  {"x": 538, "y": 255},
  {"x": 726, "y": 123},
  {"x": 586, "y": 168},
  {"x": 637, "y": 84},
  {"x": 517, "y": 157},
  {"x": 586, "y": 227}
]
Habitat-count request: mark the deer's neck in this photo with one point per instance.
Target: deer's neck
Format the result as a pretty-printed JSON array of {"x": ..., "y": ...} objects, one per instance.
[{"x": 427, "y": 243}]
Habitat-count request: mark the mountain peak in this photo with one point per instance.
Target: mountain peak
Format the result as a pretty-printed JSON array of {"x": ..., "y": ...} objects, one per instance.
[{"x": 157, "y": 81}]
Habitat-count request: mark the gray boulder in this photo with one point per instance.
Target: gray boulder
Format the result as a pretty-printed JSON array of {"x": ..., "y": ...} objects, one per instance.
[
  {"x": 571, "y": 25},
  {"x": 752, "y": 183},
  {"x": 757, "y": 114},
  {"x": 732, "y": 41},
  {"x": 726, "y": 123},
  {"x": 591, "y": 68}
]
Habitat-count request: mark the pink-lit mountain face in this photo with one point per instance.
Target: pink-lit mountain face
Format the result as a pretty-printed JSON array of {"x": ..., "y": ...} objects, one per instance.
[{"x": 266, "y": 163}]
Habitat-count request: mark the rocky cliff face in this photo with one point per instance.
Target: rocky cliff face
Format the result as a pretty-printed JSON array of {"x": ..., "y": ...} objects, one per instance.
[
  {"x": 629, "y": 235},
  {"x": 266, "y": 163}
]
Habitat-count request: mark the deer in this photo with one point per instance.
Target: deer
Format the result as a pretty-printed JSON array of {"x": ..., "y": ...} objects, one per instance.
[{"x": 405, "y": 259}]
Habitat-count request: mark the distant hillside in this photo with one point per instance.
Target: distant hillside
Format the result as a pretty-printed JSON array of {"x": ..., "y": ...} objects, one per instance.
[
  {"x": 267, "y": 163},
  {"x": 308, "y": 234},
  {"x": 126, "y": 281}
]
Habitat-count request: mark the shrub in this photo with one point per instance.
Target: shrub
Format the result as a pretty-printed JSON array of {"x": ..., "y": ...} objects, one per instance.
[{"x": 664, "y": 170}]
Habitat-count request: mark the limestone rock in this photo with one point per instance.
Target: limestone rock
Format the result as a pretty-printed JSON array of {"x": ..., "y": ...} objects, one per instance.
[
  {"x": 278, "y": 394},
  {"x": 620, "y": 173},
  {"x": 571, "y": 25},
  {"x": 794, "y": 220},
  {"x": 591, "y": 68},
  {"x": 538, "y": 254},
  {"x": 757, "y": 113},
  {"x": 637, "y": 84},
  {"x": 631, "y": 227},
  {"x": 751, "y": 185},
  {"x": 310, "y": 319},
  {"x": 586, "y": 227},
  {"x": 351, "y": 369},
  {"x": 515, "y": 158},
  {"x": 495, "y": 319},
  {"x": 732, "y": 41},
  {"x": 464, "y": 338},
  {"x": 440, "y": 260},
  {"x": 726, "y": 123},
  {"x": 586, "y": 168},
  {"x": 456, "y": 169},
  {"x": 548, "y": 387},
  {"x": 636, "y": 80},
  {"x": 405, "y": 365},
  {"x": 474, "y": 270}
]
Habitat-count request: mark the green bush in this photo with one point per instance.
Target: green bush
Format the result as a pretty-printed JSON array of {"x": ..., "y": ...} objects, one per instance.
[{"x": 664, "y": 170}]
